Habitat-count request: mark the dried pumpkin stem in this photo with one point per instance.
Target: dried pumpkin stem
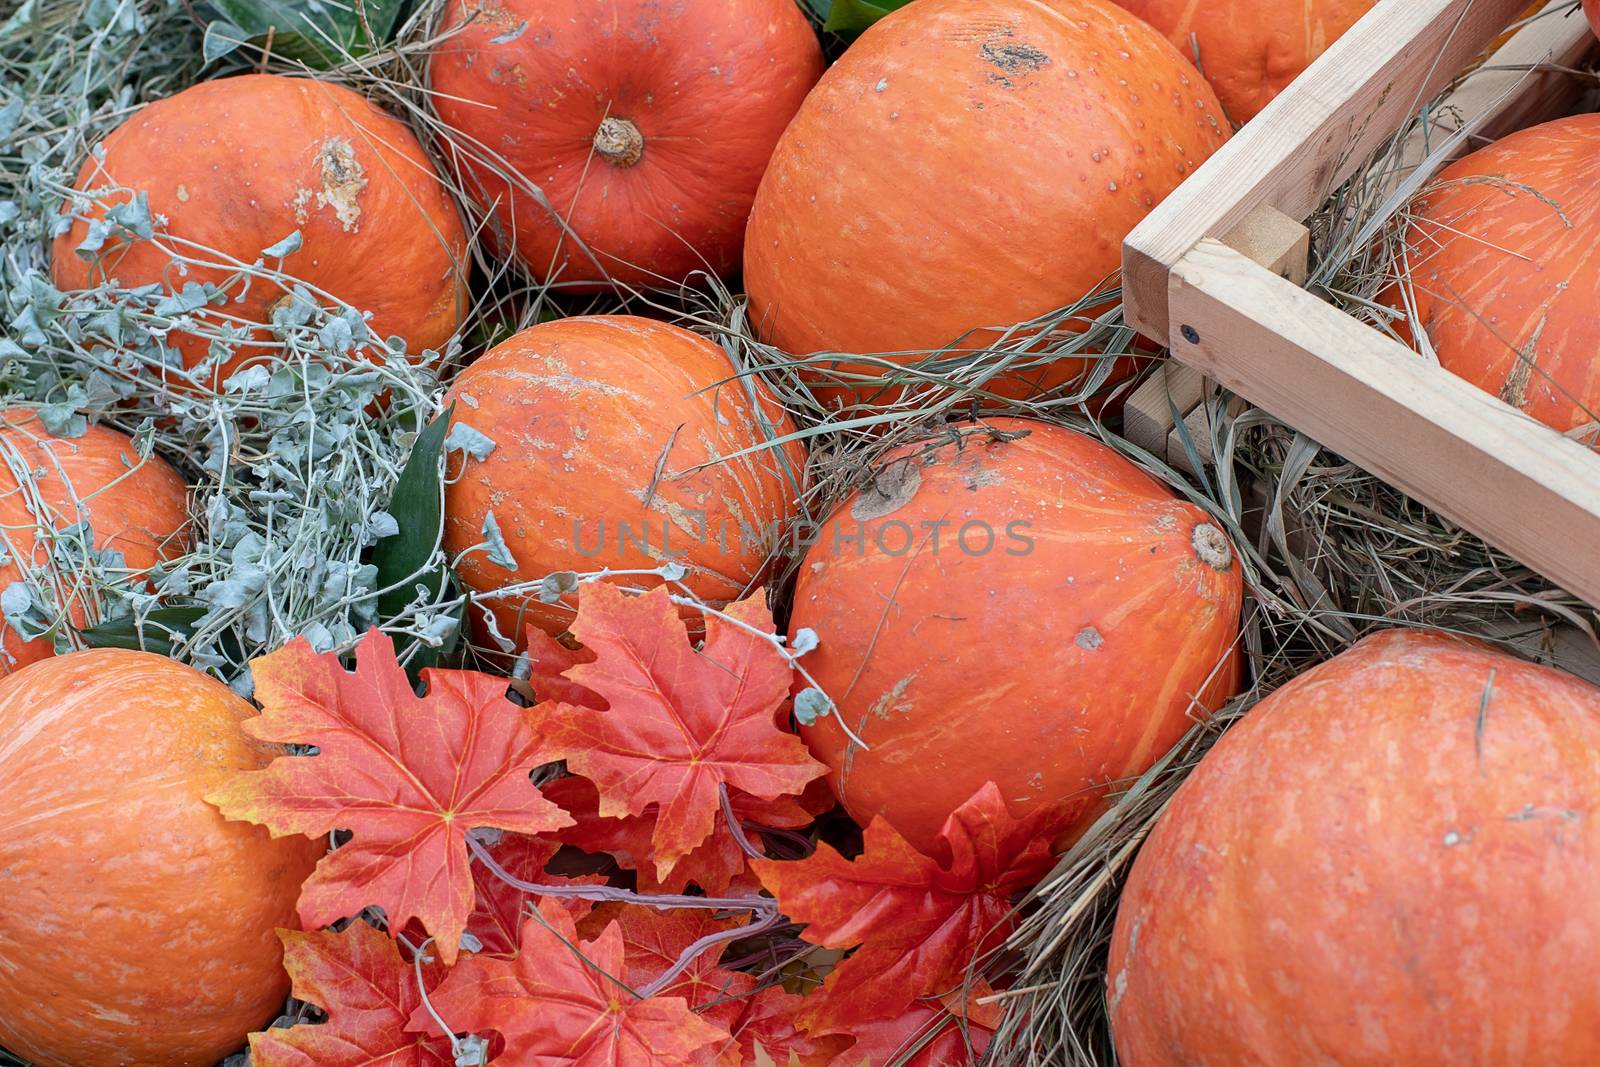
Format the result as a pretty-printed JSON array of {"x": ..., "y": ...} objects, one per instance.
[{"x": 619, "y": 142}]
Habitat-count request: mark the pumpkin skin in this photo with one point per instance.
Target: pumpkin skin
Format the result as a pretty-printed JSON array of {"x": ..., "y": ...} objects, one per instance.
[
  {"x": 1064, "y": 121},
  {"x": 1592, "y": 9},
  {"x": 587, "y": 415},
  {"x": 647, "y": 124},
  {"x": 139, "y": 924},
  {"x": 1503, "y": 271},
  {"x": 238, "y": 164},
  {"x": 1251, "y": 50},
  {"x": 138, "y": 509},
  {"x": 955, "y": 665},
  {"x": 1391, "y": 860}
]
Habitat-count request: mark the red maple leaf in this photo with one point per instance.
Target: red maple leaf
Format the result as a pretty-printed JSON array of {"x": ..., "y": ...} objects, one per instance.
[
  {"x": 562, "y": 1003},
  {"x": 550, "y": 660},
  {"x": 714, "y": 865},
  {"x": 769, "y": 1034},
  {"x": 499, "y": 908},
  {"x": 654, "y": 939},
  {"x": 679, "y": 724},
  {"x": 409, "y": 776},
  {"x": 919, "y": 921},
  {"x": 369, "y": 993},
  {"x": 925, "y": 1034}
]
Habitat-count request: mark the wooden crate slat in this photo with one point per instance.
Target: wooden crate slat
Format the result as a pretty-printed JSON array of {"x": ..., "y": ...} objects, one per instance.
[
  {"x": 1313, "y": 136},
  {"x": 1501, "y": 475}
]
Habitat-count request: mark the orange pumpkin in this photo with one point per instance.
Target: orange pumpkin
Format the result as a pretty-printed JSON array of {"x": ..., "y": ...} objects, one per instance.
[
  {"x": 645, "y": 125},
  {"x": 1592, "y": 9},
  {"x": 138, "y": 925},
  {"x": 1503, "y": 271},
  {"x": 1035, "y": 612},
  {"x": 968, "y": 164},
  {"x": 1251, "y": 50},
  {"x": 138, "y": 508},
  {"x": 1391, "y": 860},
  {"x": 615, "y": 442},
  {"x": 237, "y": 165}
]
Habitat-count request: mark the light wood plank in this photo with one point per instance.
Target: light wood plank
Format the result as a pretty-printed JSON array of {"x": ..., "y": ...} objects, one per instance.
[
  {"x": 1147, "y": 418},
  {"x": 1506, "y": 478},
  {"x": 1274, "y": 240},
  {"x": 1313, "y": 136}
]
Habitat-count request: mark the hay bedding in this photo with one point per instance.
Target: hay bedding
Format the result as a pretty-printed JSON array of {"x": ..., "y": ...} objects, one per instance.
[{"x": 293, "y": 473}]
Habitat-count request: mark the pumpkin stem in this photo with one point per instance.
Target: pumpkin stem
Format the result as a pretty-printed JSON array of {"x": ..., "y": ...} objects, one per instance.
[
  {"x": 1211, "y": 545},
  {"x": 619, "y": 142}
]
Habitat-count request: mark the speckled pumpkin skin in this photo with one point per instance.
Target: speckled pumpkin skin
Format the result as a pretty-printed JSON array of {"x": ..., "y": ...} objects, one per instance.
[
  {"x": 238, "y": 164},
  {"x": 708, "y": 84},
  {"x": 138, "y": 508},
  {"x": 1035, "y": 613},
  {"x": 1390, "y": 862},
  {"x": 969, "y": 164},
  {"x": 611, "y": 436},
  {"x": 1504, "y": 275},
  {"x": 138, "y": 924}
]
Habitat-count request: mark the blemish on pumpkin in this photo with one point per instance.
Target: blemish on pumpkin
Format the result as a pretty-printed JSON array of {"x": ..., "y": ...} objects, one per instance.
[
  {"x": 1013, "y": 58},
  {"x": 1089, "y": 639},
  {"x": 183, "y": 195},
  {"x": 893, "y": 700},
  {"x": 890, "y": 491},
  {"x": 342, "y": 181}
]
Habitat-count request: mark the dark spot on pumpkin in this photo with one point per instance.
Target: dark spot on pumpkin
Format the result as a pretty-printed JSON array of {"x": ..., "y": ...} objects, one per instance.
[
  {"x": 1013, "y": 57},
  {"x": 1089, "y": 639}
]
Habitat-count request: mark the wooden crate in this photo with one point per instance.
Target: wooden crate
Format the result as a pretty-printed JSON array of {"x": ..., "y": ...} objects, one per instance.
[{"x": 1213, "y": 273}]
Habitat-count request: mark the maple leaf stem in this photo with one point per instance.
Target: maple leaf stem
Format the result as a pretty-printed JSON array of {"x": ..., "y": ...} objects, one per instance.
[
  {"x": 734, "y": 826},
  {"x": 422, "y": 991},
  {"x": 766, "y": 921},
  {"x": 764, "y": 910},
  {"x": 612, "y": 895}
]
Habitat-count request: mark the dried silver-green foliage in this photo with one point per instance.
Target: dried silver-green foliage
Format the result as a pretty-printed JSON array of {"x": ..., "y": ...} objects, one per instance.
[{"x": 292, "y": 461}]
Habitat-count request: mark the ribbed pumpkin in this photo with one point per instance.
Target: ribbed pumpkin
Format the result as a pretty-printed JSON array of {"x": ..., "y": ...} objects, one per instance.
[
  {"x": 1251, "y": 50},
  {"x": 237, "y": 165},
  {"x": 1503, "y": 270},
  {"x": 1390, "y": 861},
  {"x": 969, "y": 164},
  {"x": 646, "y": 125},
  {"x": 1035, "y": 612},
  {"x": 138, "y": 923},
  {"x": 139, "y": 509},
  {"x": 614, "y": 444}
]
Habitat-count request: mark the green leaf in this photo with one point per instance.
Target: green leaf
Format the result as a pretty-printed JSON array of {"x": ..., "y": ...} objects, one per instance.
[
  {"x": 853, "y": 16},
  {"x": 318, "y": 33},
  {"x": 162, "y": 630},
  {"x": 406, "y": 559}
]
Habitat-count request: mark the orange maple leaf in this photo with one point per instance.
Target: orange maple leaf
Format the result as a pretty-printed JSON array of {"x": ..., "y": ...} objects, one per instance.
[
  {"x": 563, "y": 1003},
  {"x": 368, "y": 992},
  {"x": 678, "y": 725},
  {"x": 916, "y": 922},
  {"x": 409, "y": 776}
]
